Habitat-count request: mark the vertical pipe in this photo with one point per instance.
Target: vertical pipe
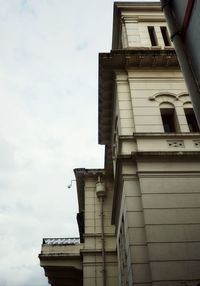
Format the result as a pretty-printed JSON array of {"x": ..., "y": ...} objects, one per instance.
[
  {"x": 103, "y": 241},
  {"x": 187, "y": 16},
  {"x": 100, "y": 192}
]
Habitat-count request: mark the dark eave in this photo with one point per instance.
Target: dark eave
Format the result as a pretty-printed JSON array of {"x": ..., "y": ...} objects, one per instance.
[
  {"x": 62, "y": 276},
  {"x": 141, "y": 58}
]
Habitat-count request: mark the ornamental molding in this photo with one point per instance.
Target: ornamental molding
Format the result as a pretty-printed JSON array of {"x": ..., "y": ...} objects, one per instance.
[
  {"x": 164, "y": 97},
  {"x": 184, "y": 97},
  {"x": 171, "y": 97},
  {"x": 142, "y": 18}
]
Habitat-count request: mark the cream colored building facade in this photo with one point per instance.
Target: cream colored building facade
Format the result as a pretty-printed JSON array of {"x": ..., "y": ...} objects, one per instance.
[{"x": 139, "y": 218}]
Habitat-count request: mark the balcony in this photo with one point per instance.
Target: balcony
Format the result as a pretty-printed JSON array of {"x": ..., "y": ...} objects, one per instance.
[{"x": 62, "y": 261}]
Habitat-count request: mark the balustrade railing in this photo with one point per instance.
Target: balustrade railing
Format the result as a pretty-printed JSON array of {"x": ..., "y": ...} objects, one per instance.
[{"x": 61, "y": 241}]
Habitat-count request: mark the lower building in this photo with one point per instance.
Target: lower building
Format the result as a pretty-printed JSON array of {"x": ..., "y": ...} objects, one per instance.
[
  {"x": 62, "y": 261},
  {"x": 92, "y": 260}
]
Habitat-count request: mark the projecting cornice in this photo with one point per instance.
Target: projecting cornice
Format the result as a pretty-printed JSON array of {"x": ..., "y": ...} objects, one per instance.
[{"x": 141, "y": 58}]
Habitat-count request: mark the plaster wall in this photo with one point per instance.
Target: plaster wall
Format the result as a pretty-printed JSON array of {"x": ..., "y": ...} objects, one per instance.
[
  {"x": 149, "y": 89},
  {"x": 160, "y": 215},
  {"x": 140, "y": 95},
  {"x": 131, "y": 231},
  {"x": 124, "y": 109},
  {"x": 171, "y": 202}
]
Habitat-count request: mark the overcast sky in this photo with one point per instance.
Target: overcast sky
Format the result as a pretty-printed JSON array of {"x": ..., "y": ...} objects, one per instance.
[{"x": 48, "y": 122}]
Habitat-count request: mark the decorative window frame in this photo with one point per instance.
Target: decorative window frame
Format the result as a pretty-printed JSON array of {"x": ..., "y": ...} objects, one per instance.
[
  {"x": 170, "y": 100},
  {"x": 171, "y": 97}
]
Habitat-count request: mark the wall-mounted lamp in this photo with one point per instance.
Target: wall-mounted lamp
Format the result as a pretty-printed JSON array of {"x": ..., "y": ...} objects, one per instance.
[
  {"x": 100, "y": 188},
  {"x": 70, "y": 185}
]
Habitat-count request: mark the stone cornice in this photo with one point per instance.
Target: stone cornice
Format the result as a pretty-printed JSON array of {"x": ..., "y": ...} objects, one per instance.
[
  {"x": 166, "y": 154},
  {"x": 143, "y": 18},
  {"x": 168, "y": 174},
  {"x": 59, "y": 256},
  {"x": 97, "y": 251},
  {"x": 160, "y": 135}
]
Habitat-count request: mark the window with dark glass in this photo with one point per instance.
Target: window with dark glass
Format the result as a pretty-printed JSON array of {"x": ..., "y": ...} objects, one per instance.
[
  {"x": 165, "y": 36},
  {"x": 168, "y": 119},
  {"x": 191, "y": 120},
  {"x": 152, "y": 35}
]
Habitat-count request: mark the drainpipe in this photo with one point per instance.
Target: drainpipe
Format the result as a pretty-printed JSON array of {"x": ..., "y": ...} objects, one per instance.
[
  {"x": 188, "y": 13},
  {"x": 100, "y": 192},
  {"x": 177, "y": 39},
  {"x": 103, "y": 241}
]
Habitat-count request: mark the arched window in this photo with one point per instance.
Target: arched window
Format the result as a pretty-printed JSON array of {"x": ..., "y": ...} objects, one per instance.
[
  {"x": 191, "y": 120},
  {"x": 169, "y": 118}
]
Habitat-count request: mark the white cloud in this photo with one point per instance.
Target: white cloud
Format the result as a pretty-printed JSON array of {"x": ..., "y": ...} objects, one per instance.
[{"x": 48, "y": 102}]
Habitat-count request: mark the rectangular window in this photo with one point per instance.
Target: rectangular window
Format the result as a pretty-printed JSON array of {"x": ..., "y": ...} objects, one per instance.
[
  {"x": 152, "y": 35},
  {"x": 168, "y": 120},
  {"x": 165, "y": 36},
  {"x": 191, "y": 120}
]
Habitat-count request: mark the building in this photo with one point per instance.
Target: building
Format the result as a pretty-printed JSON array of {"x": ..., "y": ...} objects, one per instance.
[
  {"x": 139, "y": 218},
  {"x": 92, "y": 260},
  {"x": 183, "y": 21}
]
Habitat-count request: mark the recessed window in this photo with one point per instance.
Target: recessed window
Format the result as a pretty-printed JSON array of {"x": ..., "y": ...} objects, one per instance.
[
  {"x": 191, "y": 120},
  {"x": 152, "y": 35},
  {"x": 165, "y": 36},
  {"x": 168, "y": 119}
]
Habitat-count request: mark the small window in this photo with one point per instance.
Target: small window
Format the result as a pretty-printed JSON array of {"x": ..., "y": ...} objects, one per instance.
[
  {"x": 152, "y": 35},
  {"x": 191, "y": 120},
  {"x": 165, "y": 36},
  {"x": 168, "y": 119}
]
